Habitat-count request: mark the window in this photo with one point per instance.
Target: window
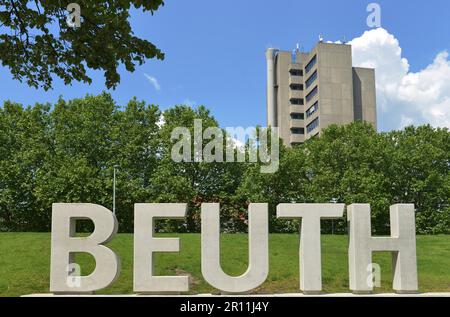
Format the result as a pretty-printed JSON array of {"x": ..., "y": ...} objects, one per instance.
[
  {"x": 311, "y": 79},
  {"x": 312, "y": 109},
  {"x": 297, "y": 130},
  {"x": 296, "y": 87},
  {"x": 314, "y": 124},
  {"x": 296, "y": 72},
  {"x": 297, "y": 101},
  {"x": 297, "y": 116},
  {"x": 311, "y": 64},
  {"x": 312, "y": 94}
]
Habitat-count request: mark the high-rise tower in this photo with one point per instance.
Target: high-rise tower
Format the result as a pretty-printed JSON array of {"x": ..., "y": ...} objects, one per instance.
[{"x": 306, "y": 92}]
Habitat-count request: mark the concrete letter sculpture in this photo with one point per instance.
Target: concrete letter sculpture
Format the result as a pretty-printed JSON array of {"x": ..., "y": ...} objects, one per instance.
[
  {"x": 65, "y": 245},
  {"x": 145, "y": 245},
  {"x": 310, "y": 251},
  {"x": 65, "y": 274},
  {"x": 402, "y": 244},
  {"x": 258, "y": 267}
]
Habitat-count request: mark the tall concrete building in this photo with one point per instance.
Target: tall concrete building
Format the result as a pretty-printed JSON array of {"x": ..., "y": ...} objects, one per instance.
[{"x": 306, "y": 92}]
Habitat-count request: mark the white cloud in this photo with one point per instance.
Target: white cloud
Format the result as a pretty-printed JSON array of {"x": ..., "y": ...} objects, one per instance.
[
  {"x": 153, "y": 81},
  {"x": 404, "y": 97}
]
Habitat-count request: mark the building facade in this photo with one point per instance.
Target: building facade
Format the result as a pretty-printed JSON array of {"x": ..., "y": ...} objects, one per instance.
[{"x": 306, "y": 92}]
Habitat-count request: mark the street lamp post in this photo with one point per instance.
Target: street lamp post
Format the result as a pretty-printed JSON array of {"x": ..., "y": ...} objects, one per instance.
[{"x": 114, "y": 189}]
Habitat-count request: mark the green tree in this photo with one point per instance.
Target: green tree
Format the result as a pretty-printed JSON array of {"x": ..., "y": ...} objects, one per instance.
[
  {"x": 37, "y": 43},
  {"x": 134, "y": 150},
  {"x": 194, "y": 182},
  {"x": 66, "y": 153},
  {"x": 24, "y": 146},
  {"x": 347, "y": 164},
  {"x": 90, "y": 136},
  {"x": 288, "y": 185},
  {"x": 77, "y": 168},
  {"x": 419, "y": 170}
]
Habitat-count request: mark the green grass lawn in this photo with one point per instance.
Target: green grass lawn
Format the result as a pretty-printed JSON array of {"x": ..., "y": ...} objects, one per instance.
[{"x": 25, "y": 263}]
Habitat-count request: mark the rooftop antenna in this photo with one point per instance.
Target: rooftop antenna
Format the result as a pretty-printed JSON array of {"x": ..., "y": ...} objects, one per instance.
[
  {"x": 320, "y": 38},
  {"x": 297, "y": 47}
]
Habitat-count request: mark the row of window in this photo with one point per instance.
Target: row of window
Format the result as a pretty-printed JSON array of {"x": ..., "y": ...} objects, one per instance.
[
  {"x": 299, "y": 72},
  {"x": 297, "y": 116},
  {"x": 297, "y": 130},
  {"x": 296, "y": 86},
  {"x": 296, "y": 72},
  {"x": 311, "y": 64},
  {"x": 312, "y": 94},
  {"x": 311, "y": 79},
  {"x": 311, "y": 127},
  {"x": 314, "y": 124},
  {"x": 297, "y": 101},
  {"x": 313, "y": 109}
]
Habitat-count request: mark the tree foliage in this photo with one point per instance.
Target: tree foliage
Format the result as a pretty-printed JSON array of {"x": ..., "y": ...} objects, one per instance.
[
  {"x": 66, "y": 153},
  {"x": 354, "y": 164},
  {"x": 36, "y": 43}
]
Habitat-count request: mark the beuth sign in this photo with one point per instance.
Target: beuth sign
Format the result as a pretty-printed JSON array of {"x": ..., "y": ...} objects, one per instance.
[{"x": 401, "y": 243}]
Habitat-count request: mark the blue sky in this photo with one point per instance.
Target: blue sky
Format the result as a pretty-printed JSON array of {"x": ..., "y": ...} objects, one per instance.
[{"x": 215, "y": 53}]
